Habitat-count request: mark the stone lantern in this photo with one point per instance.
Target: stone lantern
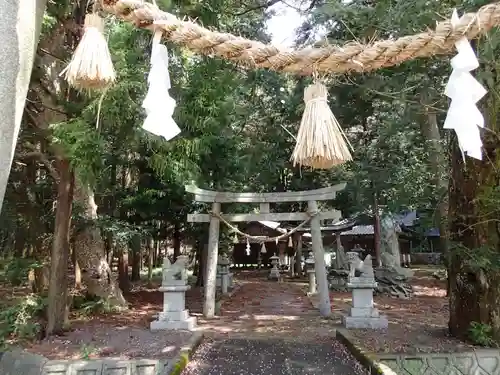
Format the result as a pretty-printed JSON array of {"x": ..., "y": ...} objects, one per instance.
[
  {"x": 311, "y": 273},
  {"x": 275, "y": 272},
  {"x": 223, "y": 274}
]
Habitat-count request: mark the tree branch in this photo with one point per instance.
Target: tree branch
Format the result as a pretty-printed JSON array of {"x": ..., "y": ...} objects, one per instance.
[
  {"x": 43, "y": 159},
  {"x": 268, "y": 4}
]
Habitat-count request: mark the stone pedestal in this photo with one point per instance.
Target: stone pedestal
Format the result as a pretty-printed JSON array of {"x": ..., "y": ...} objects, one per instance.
[
  {"x": 174, "y": 315},
  {"x": 362, "y": 314},
  {"x": 275, "y": 272}
]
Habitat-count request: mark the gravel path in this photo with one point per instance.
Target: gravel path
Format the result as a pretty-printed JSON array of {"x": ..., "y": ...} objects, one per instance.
[
  {"x": 270, "y": 328},
  {"x": 271, "y": 356}
]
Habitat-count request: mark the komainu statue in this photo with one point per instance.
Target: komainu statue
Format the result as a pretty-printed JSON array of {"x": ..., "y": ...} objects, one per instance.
[{"x": 177, "y": 272}]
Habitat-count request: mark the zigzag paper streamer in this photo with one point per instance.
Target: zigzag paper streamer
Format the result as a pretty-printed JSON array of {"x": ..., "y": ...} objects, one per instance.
[
  {"x": 465, "y": 91},
  {"x": 158, "y": 103}
]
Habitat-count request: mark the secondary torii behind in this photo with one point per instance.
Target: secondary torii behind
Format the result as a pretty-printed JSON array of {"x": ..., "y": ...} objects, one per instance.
[{"x": 264, "y": 199}]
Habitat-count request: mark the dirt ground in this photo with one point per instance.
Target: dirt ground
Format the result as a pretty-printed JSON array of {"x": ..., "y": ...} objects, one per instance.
[
  {"x": 119, "y": 335},
  {"x": 259, "y": 308},
  {"x": 416, "y": 325},
  {"x": 262, "y": 308}
]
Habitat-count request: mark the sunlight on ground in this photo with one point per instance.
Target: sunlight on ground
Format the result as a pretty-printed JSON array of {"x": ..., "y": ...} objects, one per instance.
[
  {"x": 274, "y": 317},
  {"x": 429, "y": 291},
  {"x": 168, "y": 349}
]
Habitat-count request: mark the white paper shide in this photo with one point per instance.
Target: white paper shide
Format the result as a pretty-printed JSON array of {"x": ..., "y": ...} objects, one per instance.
[
  {"x": 465, "y": 91},
  {"x": 159, "y": 105}
]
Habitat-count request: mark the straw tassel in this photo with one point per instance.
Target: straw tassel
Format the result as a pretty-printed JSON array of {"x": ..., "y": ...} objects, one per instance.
[
  {"x": 321, "y": 143},
  {"x": 91, "y": 67}
]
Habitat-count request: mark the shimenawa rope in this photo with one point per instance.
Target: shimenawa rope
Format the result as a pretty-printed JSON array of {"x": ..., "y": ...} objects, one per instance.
[
  {"x": 334, "y": 59},
  {"x": 262, "y": 239}
]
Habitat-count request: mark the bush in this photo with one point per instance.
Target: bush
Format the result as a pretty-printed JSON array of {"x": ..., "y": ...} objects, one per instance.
[
  {"x": 87, "y": 305},
  {"x": 23, "y": 320},
  {"x": 481, "y": 334},
  {"x": 15, "y": 270}
]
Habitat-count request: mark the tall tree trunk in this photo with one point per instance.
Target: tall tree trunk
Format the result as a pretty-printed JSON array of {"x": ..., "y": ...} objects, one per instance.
[
  {"x": 437, "y": 162},
  {"x": 20, "y": 240},
  {"x": 78, "y": 272},
  {"x": 123, "y": 279},
  {"x": 201, "y": 260},
  {"x": 156, "y": 261},
  {"x": 177, "y": 241},
  {"x": 135, "y": 246},
  {"x": 91, "y": 256},
  {"x": 40, "y": 275},
  {"x": 474, "y": 226},
  {"x": 20, "y": 25},
  {"x": 58, "y": 287},
  {"x": 376, "y": 229},
  {"x": 151, "y": 255}
]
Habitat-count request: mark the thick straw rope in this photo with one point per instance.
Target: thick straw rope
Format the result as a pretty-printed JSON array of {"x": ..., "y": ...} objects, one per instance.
[
  {"x": 262, "y": 239},
  {"x": 351, "y": 57}
]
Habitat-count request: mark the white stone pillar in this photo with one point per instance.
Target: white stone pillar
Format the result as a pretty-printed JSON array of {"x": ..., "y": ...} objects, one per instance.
[{"x": 20, "y": 24}]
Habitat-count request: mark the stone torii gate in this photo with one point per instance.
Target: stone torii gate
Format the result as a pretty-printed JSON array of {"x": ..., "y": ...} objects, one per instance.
[{"x": 264, "y": 199}]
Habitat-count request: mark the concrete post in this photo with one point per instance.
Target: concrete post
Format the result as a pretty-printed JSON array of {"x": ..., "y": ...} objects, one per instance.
[{"x": 20, "y": 24}]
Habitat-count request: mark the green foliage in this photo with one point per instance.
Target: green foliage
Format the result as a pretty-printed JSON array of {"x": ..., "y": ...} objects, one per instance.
[
  {"x": 92, "y": 306},
  {"x": 181, "y": 364},
  {"x": 121, "y": 231},
  {"x": 86, "y": 351},
  {"x": 481, "y": 334},
  {"x": 22, "y": 320},
  {"x": 15, "y": 270},
  {"x": 83, "y": 147},
  {"x": 481, "y": 258}
]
